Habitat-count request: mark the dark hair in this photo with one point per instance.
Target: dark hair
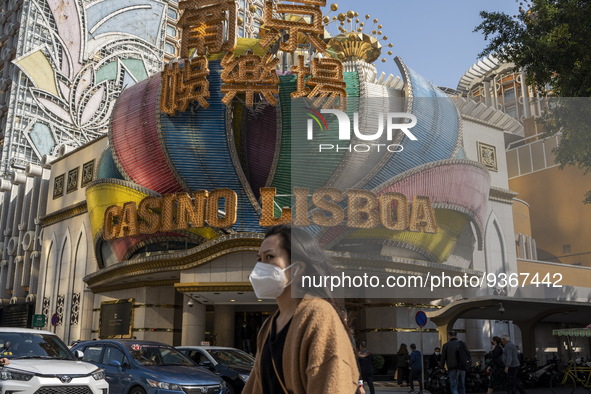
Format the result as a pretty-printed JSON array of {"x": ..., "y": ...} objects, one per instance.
[
  {"x": 453, "y": 334},
  {"x": 413, "y": 346},
  {"x": 496, "y": 340},
  {"x": 302, "y": 246},
  {"x": 437, "y": 348},
  {"x": 403, "y": 349}
]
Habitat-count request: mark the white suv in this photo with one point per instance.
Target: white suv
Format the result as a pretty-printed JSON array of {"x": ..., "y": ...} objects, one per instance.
[{"x": 40, "y": 363}]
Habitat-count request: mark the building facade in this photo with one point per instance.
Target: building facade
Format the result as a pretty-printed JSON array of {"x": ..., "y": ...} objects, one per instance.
[
  {"x": 65, "y": 257},
  {"x": 62, "y": 66}
]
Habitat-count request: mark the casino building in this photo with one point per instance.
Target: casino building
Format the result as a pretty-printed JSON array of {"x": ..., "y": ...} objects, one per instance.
[{"x": 95, "y": 270}]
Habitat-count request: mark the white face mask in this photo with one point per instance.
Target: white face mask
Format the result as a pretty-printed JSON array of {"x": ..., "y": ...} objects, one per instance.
[
  {"x": 268, "y": 280},
  {"x": 437, "y": 353}
]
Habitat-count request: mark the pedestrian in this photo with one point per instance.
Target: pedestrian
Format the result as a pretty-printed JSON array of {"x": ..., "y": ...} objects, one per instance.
[
  {"x": 365, "y": 359},
  {"x": 304, "y": 347},
  {"x": 435, "y": 359},
  {"x": 511, "y": 362},
  {"x": 449, "y": 357},
  {"x": 496, "y": 367},
  {"x": 416, "y": 368},
  {"x": 245, "y": 335},
  {"x": 402, "y": 364}
]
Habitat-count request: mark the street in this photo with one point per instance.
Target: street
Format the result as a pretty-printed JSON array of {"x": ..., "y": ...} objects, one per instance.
[{"x": 388, "y": 387}]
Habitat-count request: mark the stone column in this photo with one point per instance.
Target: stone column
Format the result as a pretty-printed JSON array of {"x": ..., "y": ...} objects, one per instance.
[
  {"x": 223, "y": 325},
  {"x": 193, "y": 330}
]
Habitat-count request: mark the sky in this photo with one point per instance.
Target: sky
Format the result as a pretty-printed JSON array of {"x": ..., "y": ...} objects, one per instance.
[{"x": 433, "y": 37}]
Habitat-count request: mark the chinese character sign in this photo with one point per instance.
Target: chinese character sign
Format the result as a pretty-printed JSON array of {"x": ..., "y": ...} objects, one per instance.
[
  {"x": 326, "y": 81},
  {"x": 304, "y": 19},
  {"x": 250, "y": 74},
  {"x": 208, "y": 26},
  {"x": 181, "y": 86}
]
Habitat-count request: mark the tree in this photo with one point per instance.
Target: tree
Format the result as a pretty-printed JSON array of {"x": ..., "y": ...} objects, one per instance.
[{"x": 551, "y": 41}]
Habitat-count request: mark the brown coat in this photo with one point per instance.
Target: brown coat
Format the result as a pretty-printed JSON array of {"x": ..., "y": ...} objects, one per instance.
[{"x": 318, "y": 356}]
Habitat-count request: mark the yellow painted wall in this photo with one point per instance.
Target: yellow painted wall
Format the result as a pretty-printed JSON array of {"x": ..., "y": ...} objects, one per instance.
[
  {"x": 558, "y": 215},
  {"x": 558, "y": 274},
  {"x": 521, "y": 217}
]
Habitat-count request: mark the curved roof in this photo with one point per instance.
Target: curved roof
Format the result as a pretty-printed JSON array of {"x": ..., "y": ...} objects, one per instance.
[{"x": 479, "y": 70}]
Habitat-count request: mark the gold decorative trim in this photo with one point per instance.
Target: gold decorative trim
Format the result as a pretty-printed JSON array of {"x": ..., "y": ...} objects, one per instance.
[
  {"x": 157, "y": 330},
  {"x": 398, "y": 305},
  {"x": 64, "y": 214},
  {"x": 131, "y": 318},
  {"x": 72, "y": 183},
  {"x": 501, "y": 195},
  {"x": 487, "y": 156},
  {"x": 195, "y": 257},
  {"x": 396, "y": 329},
  {"x": 148, "y": 330},
  {"x": 132, "y": 285},
  {"x": 213, "y": 287},
  {"x": 88, "y": 172},
  {"x": 59, "y": 186},
  {"x": 170, "y": 306}
]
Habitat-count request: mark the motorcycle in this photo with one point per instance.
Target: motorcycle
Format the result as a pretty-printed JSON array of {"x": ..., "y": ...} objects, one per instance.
[
  {"x": 532, "y": 375},
  {"x": 436, "y": 381},
  {"x": 476, "y": 379}
]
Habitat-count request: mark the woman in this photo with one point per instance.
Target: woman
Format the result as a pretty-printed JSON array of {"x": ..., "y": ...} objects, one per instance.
[
  {"x": 304, "y": 346},
  {"x": 496, "y": 368},
  {"x": 402, "y": 364},
  {"x": 365, "y": 360}
]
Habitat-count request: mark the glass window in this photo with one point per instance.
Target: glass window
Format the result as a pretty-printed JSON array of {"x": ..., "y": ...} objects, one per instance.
[
  {"x": 158, "y": 355},
  {"x": 197, "y": 356},
  {"x": 171, "y": 30},
  {"x": 170, "y": 49},
  {"x": 232, "y": 357},
  {"x": 92, "y": 354},
  {"x": 511, "y": 110},
  {"x": 24, "y": 345},
  {"x": 114, "y": 354},
  {"x": 171, "y": 13},
  {"x": 509, "y": 94}
]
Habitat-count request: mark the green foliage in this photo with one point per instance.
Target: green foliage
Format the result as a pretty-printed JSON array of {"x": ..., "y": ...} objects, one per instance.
[
  {"x": 551, "y": 41},
  {"x": 548, "y": 38},
  {"x": 378, "y": 362}
]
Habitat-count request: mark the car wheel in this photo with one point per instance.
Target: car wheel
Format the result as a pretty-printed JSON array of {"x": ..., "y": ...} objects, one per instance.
[{"x": 137, "y": 390}]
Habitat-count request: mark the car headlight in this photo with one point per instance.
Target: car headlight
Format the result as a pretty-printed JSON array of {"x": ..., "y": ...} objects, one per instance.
[
  {"x": 13, "y": 374},
  {"x": 99, "y": 374},
  {"x": 243, "y": 377},
  {"x": 163, "y": 385}
]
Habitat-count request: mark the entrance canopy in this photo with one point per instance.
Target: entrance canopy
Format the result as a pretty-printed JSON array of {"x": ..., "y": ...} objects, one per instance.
[
  {"x": 516, "y": 309},
  {"x": 524, "y": 312}
]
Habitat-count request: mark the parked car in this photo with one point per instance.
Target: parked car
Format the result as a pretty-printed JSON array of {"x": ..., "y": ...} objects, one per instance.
[
  {"x": 146, "y": 367},
  {"x": 41, "y": 363},
  {"x": 232, "y": 364}
]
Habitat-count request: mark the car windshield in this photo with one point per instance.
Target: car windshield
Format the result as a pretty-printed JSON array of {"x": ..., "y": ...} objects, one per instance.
[
  {"x": 34, "y": 346},
  {"x": 232, "y": 356},
  {"x": 158, "y": 355}
]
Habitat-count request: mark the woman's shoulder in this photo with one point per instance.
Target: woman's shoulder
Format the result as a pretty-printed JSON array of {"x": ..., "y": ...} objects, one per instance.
[
  {"x": 316, "y": 312},
  {"x": 314, "y": 304}
]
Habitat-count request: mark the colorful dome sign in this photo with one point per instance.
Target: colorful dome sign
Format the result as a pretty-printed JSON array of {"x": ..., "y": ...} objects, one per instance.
[{"x": 221, "y": 153}]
